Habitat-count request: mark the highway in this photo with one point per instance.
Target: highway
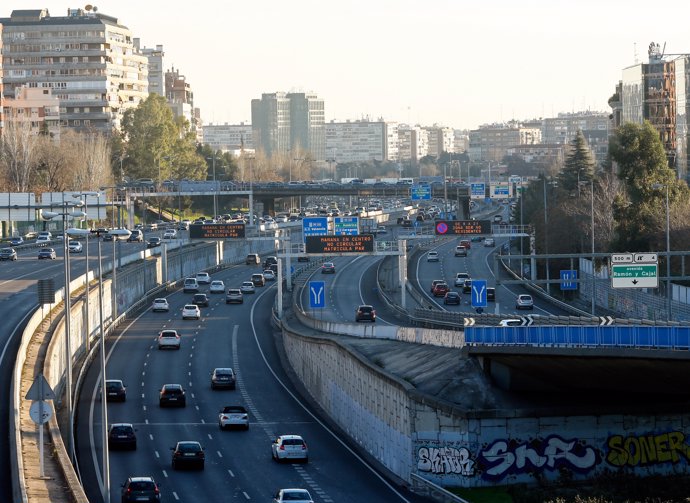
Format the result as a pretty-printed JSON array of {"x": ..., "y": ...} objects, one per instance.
[{"x": 238, "y": 463}]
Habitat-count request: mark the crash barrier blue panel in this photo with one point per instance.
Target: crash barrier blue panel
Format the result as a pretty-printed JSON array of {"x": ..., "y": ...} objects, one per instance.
[{"x": 582, "y": 336}]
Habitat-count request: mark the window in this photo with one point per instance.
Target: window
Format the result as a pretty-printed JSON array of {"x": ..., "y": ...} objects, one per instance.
[{"x": 76, "y": 123}]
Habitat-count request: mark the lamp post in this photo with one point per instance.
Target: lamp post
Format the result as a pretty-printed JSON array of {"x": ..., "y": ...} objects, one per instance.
[
  {"x": 546, "y": 241},
  {"x": 49, "y": 215},
  {"x": 668, "y": 251},
  {"x": 215, "y": 196}
]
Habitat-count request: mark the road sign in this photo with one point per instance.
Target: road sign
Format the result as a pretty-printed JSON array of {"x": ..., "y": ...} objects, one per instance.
[
  {"x": 605, "y": 321},
  {"x": 468, "y": 322},
  {"x": 317, "y": 294},
  {"x": 501, "y": 190},
  {"x": 40, "y": 412},
  {"x": 346, "y": 226},
  {"x": 646, "y": 258},
  {"x": 478, "y": 293},
  {"x": 634, "y": 275},
  {"x": 314, "y": 226},
  {"x": 216, "y": 231},
  {"x": 477, "y": 191},
  {"x": 46, "y": 291},
  {"x": 418, "y": 192},
  {"x": 568, "y": 277},
  {"x": 622, "y": 258},
  {"x": 40, "y": 390},
  {"x": 451, "y": 227},
  {"x": 364, "y": 243},
  {"x": 526, "y": 321}
]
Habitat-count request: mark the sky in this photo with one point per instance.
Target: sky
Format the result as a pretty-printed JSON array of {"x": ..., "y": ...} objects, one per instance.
[{"x": 454, "y": 63}]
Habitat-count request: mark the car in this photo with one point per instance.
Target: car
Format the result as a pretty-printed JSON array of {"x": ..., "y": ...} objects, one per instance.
[
  {"x": 233, "y": 416},
  {"x": 460, "y": 251},
  {"x": 498, "y": 218},
  {"x": 151, "y": 243},
  {"x": 252, "y": 259},
  {"x": 160, "y": 305},
  {"x": 460, "y": 278},
  {"x": 269, "y": 275},
  {"x": 140, "y": 489},
  {"x": 190, "y": 285},
  {"x": 200, "y": 299},
  {"x": 293, "y": 496},
  {"x": 489, "y": 242},
  {"x": 8, "y": 254},
  {"x": 223, "y": 377},
  {"x": 172, "y": 394},
  {"x": 490, "y": 293},
  {"x": 217, "y": 286},
  {"x": 170, "y": 234},
  {"x": 452, "y": 298},
  {"x": 258, "y": 279},
  {"x": 16, "y": 240},
  {"x": 75, "y": 247},
  {"x": 115, "y": 390},
  {"x": 169, "y": 338},
  {"x": 188, "y": 453},
  {"x": 191, "y": 312},
  {"x": 436, "y": 282},
  {"x": 183, "y": 226},
  {"x": 365, "y": 313},
  {"x": 47, "y": 253},
  {"x": 524, "y": 301},
  {"x": 432, "y": 256},
  {"x": 110, "y": 237},
  {"x": 511, "y": 322},
  {"x": 286, "y": 447},
  {"x": 441, "y": 289},
  {"x": 269, "y": 261},
  {"x": 137, "y": 236},
  {"x": 476, "y": 239},
  {"x": 234, "y": 296},
  {"x": 303, "y": 258},
  {"x": 381, "y": 230},
  {"x": 467, "y": 286},
  {"x": 122, "y": 436},
  {"x": 466, "y": 243},
  {"x": 328, "y": 268},
  {"x": 247, "y": 287},
  {"x": 203, "y": 278},
  {"x": 43, "y": 240}
]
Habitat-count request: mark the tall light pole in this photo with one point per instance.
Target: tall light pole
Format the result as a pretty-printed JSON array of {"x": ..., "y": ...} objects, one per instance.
[
  {"x": 49, "y": 215},
  {"x": 215, "y": 196},
  {"x": 546, "y": 241},
  {"x": 593, "y": 271},
  {"x": 668, "y": 250}
]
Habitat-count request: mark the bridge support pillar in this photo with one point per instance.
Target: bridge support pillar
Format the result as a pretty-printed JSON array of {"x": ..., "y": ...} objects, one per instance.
[{"x": 269, "y": 205}]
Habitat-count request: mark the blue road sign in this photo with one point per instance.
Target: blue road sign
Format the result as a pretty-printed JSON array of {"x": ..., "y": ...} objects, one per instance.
[
  {"x": 317, "y": 294},
  {"x": 418, "y": 192},
  {"x": 346, "y": 226},
  {"x": 478, "y": 293},
  {"x": 314, "y": 226},
  {"x": 568, "y": 277},
  {"x": 477, "y": 190}
]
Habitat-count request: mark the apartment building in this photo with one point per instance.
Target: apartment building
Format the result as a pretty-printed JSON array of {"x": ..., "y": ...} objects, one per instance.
[
  {"x": 362, "y": 141},
  {"x": 87, "y": 59},
  {"x": 156, "y": 75},
  {"x": 441, "y": 139},
  {"x": 180, "y": 98},
  {"x": 228, "y": 137},
  {"x": 595, "y": 126},
  {"x": 413, "y": 143},
  {"x": 491, "y": 142},
  {"x": 38, "y": 107}
]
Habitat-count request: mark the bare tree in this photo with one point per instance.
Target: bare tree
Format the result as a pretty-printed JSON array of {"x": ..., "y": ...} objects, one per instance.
[
  {"x": 54, "y": 163},
  {"x": 93, "y": 162},
  {"x": 17, "y": 153}
]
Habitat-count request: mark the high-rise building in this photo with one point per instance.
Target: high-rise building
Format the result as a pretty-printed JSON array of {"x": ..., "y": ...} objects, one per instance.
[
  {"x": 683, "y": 117},
  {"x": 289, "y": 121},
  {"x": 413, "y": 143},
  {"x": 180, "y": 98},
  {"x": 595, "y": 126},
  {"x": 441, "y": 139},
  {"x": 38, "y": 107},
  {"x": 228, "y": 137},
  {"x": 156, "y": 73},
  {"x": 87, "y": 58},
  {"x": 491, "y": 142},
  {"x": 361, "y": 141}
]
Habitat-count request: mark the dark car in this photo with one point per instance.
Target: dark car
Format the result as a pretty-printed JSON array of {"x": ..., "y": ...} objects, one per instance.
[
  {"x": 452, "y": 298},
  {"x": 365, "y": 313},
  {"x": 8, "y": 254},
  {"x": 200, "y": 299},
  {"x": 137, "y": 489},
  {"x": 122, "y": 436},
  {"x": 303, "y": 258},
  {"x": 223, "y": 378},
  {"x": 440, "y": 290},
  {"x": 269, "y": 261},
  {"x": 108, "y": 237},
  {"x": 328, "y": 268},
  {"x": 16, "y": 241},
  {"x": 153, "y": 242},
  {"x": 258, "y": 279},
  {"x": 491, "y": 293},
  {"x": 188, "y": 453},
  {"x": 115, "y": 390},
  {"x": 172, "y": 394},
  {"x": 467, "y": 286},
  {"x": 47, "y": 253}
]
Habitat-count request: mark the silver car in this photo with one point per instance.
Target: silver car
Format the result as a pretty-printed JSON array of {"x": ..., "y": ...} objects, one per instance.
[
  {"x": 233, "y": 416},
  {"x": 293, "y": 496},
  {"x": 287, "y": 447},
  {"x": 160, "y": 304},
  {"x": 524, "y": 301},
  {"x": 169, "y": 339},
  {"x": 191, "y": 311}
]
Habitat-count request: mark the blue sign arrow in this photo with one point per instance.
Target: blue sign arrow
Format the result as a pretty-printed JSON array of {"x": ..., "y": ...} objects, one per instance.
[
  {"x": 478, "y": 293},
  {"x": 314, "y": 226},
  {"x": 317, "y": 294},
  {"x": 568, "y": 277},
  {"x": 418, "y": 192}
]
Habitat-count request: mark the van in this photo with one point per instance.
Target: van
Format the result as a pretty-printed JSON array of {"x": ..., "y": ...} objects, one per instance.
[
  {"x": 252, "y": 259},
  {"x": 190, "y": 285}
]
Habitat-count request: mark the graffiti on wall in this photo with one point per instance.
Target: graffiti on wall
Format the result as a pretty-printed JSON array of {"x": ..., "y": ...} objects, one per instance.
[
  {"x": 503, "y": 458},
  {"x": 646, "y": 450},
  {"x": 445, "y": 460}
]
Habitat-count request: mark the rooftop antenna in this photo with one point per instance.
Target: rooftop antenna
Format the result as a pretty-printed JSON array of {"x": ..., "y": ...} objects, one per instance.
[{"x": 635, "y": 53}]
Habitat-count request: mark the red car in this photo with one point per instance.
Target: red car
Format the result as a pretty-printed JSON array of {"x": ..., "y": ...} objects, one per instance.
[{"x": 440, "y": 290}]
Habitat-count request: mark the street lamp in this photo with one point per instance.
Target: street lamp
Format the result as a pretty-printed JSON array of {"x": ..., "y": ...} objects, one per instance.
[
  {"x": 215, "y": 196},
  {"x": 546, "y": 241},
  {"x": 668, "y": 250},
  {"x": 49, "y": 215}
]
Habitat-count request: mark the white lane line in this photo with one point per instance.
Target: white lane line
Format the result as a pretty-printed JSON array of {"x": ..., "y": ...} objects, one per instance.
[
  {"x": 165, "y": 474},
  {"x": 196, "y": 407},
  {"x": 230, "y": 473},
  {"x": 246, "y": 495},
  {"x": 192, "y": 393},
  {"x": 146, "y": 421},
  {"x": 190, "y": 383},
  {"x": 142, "y": 384},
  {"x": 156, "y": 453},
  {"x": 150, "y": 436},
  {"x": 142, "y": 395},
  {"x": 203, "y": 422},
  {"x": 210, "y": 437},
  {"x": 176, "y": 496},
  {"x": 219, "y": 454},
  {"x": 143, "y": 407}
]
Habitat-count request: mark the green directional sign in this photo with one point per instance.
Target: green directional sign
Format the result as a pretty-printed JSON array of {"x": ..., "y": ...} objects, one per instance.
[{"x": 634, "y": 276}]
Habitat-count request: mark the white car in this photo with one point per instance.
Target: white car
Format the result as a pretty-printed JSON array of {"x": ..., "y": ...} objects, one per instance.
[
  {"x": 160, "y": 305},
  {"x": 511, "y": 322},
  {"x": 460, "y": 278},
  {"x": 269, "y": 275},
  {"x": 290, "y": 447},
  {"x": 432, "y": 256},
  {"x": 75, "y": 247},
  {"x": 170, "y": 234},
  {"x": 169, "y": 339},
  {"x": 293, "y": 496},
  {"x": 489, "y": 242},
  {"x": 233, "y": 415},
  {"x": 247, "y": 287},
  {"x": 43, "y": 240},
  {"x": 191, "y": 311},
  {"x": 203, "y": 278},
  {"x": 524, "y": 301},
  {"x": 217, "y": 286}
]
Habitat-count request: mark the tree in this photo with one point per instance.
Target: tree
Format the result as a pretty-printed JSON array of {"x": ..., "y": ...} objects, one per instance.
[
  {"x": 92, "y": 166},
  {"x": 18, "y": 147},
  {"x": 579, "y": 164}
]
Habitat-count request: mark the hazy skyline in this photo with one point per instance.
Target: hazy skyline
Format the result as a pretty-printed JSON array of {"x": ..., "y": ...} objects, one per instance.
[{"x": 442, "y": 61}]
